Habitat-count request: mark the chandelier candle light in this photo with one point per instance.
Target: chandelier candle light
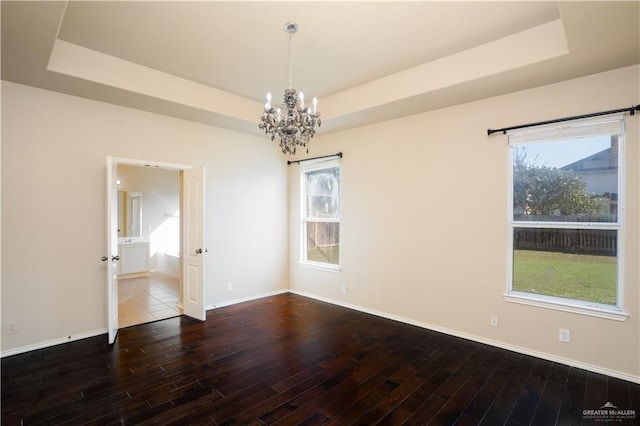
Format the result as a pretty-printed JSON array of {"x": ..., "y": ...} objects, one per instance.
[{"x": 292, "y": 123}]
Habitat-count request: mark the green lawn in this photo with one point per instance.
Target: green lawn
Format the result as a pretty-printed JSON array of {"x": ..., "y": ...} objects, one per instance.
[{"x": 572, "y": 276}]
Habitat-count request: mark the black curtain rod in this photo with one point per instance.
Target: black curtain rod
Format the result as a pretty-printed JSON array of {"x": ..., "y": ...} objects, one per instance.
[
  {"x": 632, "y": 110},
  {"x": 338, "y": 154}
]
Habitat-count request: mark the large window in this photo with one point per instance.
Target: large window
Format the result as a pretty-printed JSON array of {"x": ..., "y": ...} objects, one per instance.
[
  {"x": 320, "y": 184},
  {"x": 565, "y": 223}
]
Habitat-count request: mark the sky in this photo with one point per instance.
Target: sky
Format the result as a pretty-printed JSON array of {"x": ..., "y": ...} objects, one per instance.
[{"x": 559, "y": 154}]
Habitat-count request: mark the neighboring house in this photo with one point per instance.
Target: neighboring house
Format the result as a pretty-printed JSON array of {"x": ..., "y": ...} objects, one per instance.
[{"x": 600, "y": 172}]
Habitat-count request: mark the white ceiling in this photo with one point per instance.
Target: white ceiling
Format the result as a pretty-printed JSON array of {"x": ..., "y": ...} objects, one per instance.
[{"x": 213, "y": 62}]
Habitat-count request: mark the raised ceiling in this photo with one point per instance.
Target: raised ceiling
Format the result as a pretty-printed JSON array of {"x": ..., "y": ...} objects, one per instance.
[{"x": 213, "y": 62}]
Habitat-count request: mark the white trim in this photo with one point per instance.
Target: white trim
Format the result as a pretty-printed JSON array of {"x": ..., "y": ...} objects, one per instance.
[
  {"x": 134, "y": 275},
  {"x": 320, "y": 163},
  {"x": 474, "y": 338},
  {"x": 86, "y": 335},
  {"x": 568, "y": 130},
  {"x": 53, "y": 342},
  {"x": 246, "y": 299},
  {"x": 114, "y": 161},
  {"x": 154, "y": 164},
  {"x": 321, "y": 219},
  {"x": 622, "y": 202},
  {"x": 509, "y": 223},
  {"x": 607, "y": 226},
  {"x": 614, "y": 124},
  {"x": 567, "y": 305},
  {"x": 328, "y": 267}
]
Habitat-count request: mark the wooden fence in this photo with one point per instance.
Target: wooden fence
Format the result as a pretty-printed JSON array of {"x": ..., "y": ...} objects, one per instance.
[
  {"x": 323, "y": 234},
  {"x": 578, "y": 241}
]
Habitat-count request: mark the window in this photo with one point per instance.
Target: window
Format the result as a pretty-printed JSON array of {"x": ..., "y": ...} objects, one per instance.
[
  {"x": 320, "y": 183},
  {"x": 565, "y": 221}
]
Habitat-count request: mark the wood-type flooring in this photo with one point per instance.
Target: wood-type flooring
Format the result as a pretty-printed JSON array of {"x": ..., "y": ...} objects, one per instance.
[{"x": 292, "y": 360}]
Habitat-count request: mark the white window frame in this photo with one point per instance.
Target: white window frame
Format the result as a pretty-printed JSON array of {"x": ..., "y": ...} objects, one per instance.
[
  {"x": 306, "y": 167},
  {"x": 575, "y": 129}
]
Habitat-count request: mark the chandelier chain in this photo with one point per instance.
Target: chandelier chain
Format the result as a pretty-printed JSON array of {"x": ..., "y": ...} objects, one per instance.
[{"x": 290, "y": 61}]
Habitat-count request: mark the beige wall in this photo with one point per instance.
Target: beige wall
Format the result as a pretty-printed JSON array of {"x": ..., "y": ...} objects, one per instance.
[
  {"x": 424, "y": 224},
  {"x": 424, "y": 234},
  {"x": 54, "y": 150}
]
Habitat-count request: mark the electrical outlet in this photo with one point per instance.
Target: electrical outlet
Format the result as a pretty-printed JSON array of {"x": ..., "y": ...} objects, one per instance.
[
  {"x": 345, "y": 289},
  {"x": 494, "y": 320},
  {"x": 564, "y": 335},
  {"x": 12, "y": 327},
  {"x": 229, "y": 287}
]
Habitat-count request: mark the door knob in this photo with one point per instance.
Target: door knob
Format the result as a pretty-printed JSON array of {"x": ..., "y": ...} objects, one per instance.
[
  {"x": 198, "y": 251},
  {"x": 104, "y": 258},
  {"x": 115, "y": 258}
]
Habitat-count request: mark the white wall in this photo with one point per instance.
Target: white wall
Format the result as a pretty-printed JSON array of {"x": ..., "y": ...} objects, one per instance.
[
  {"x": 424, "y": 224},
  {"x": 54, "y": 150}
]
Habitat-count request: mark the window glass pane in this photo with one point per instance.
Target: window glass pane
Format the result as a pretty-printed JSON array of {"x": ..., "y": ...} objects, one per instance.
[
  {"x": 323, "y": 242},
  {"x": 323, "y": 193},
  {"x": 578, "y": 264},
  {"x": 568, "y": 181}
]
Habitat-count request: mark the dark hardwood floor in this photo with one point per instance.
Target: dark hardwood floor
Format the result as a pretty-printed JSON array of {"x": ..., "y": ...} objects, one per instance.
[{"x": 292, "y": 360}]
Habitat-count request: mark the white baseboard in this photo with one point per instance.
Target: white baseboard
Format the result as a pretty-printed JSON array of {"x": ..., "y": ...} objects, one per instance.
[
  {"x": 495, "y": 343},
  {"x": 498, "y": 344},
  {"x": 54, "y": 342},
  {"x": 133, "y": 275},
  {"x": 247, "y": 299}
]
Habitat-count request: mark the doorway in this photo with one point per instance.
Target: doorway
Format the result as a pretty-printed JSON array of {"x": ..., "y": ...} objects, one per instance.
[
  {"x": 190, "y": 220},
  {"x": 148, "y": 200}
]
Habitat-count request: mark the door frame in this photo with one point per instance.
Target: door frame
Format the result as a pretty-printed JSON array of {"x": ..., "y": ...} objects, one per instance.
[{"x": 111, "y": 226}]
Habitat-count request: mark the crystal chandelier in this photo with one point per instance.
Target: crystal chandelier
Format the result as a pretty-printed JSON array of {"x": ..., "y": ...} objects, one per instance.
[{"x": 293, "y": 123}]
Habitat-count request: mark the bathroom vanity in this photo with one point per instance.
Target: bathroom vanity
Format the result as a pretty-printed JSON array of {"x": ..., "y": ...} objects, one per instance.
[{"x": 134, "y": 258}]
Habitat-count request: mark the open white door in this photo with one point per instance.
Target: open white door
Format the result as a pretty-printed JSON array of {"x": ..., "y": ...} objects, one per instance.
[
  {"x": 193, "y": 243},
  {"x": 111, "y": 257}
]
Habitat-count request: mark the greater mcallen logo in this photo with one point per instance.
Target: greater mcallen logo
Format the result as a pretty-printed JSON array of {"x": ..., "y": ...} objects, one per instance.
[{"x": 609, "y": 413}]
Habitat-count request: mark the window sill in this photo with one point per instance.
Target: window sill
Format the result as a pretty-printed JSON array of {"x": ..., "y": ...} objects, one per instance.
[
  {"x": 599, "y": 311},
  {"x": 327, "y": 267}
]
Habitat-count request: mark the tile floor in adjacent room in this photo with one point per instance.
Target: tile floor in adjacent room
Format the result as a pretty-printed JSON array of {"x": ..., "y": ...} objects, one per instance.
[{"x": 147, "y": 299}]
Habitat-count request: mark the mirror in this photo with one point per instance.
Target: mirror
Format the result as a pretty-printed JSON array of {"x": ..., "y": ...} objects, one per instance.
[{"x": 129, "y": 214}]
